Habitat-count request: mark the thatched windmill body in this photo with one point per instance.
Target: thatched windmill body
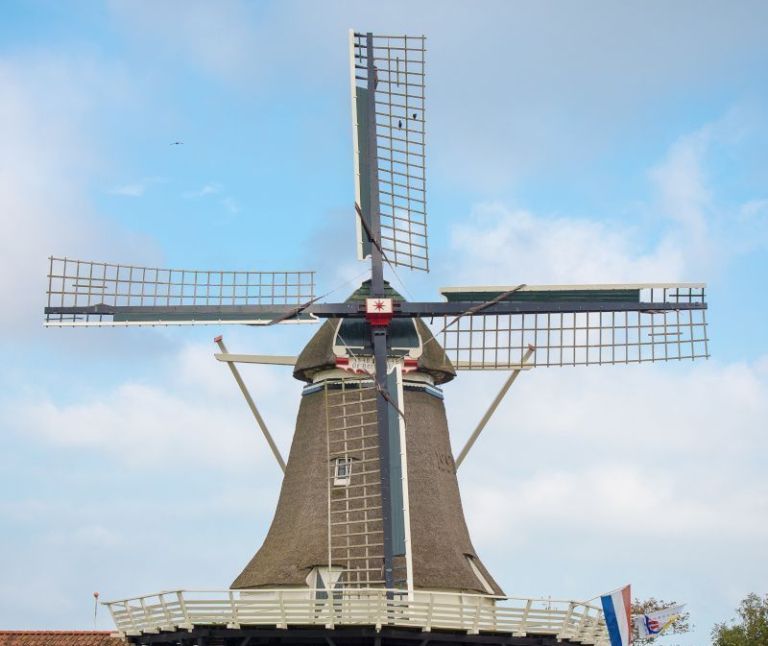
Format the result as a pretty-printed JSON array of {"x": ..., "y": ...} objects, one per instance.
[{"x": 369, "y": 541}]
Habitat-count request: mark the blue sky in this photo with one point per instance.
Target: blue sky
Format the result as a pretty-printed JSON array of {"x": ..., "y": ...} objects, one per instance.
[{"x": 581, "y": 142}]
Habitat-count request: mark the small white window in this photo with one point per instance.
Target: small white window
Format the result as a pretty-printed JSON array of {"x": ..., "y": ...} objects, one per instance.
[{"x": 342, "y": 472}]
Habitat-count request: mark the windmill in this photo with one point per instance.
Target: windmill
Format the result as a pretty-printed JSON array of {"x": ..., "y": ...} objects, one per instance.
[{"x": 368, "y": 542}]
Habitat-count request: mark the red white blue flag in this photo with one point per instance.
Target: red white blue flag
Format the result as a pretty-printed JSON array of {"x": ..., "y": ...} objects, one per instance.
[{"x": 617, "y": 608}]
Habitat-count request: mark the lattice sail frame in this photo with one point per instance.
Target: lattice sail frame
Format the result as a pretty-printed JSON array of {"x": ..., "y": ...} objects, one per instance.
[
  {"x": 575, "y": 338},
  {"x": 400, "y": 144},
  {"x": 133, "y": 295}
]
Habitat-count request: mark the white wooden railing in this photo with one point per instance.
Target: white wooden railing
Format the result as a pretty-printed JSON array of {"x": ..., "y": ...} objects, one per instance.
[{"x": 470, "y": 613}]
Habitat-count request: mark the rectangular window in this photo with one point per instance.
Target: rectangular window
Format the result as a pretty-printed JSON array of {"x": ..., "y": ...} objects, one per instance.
[{"x": 342, "y": 472}]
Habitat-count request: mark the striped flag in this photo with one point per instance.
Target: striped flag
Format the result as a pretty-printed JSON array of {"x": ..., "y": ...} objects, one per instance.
[{"x": 617, "y": 608}]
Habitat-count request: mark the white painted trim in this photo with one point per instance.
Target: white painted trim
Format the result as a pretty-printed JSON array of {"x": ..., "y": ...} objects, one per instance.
[
  {"x": 404, "y": 478},
  {"x": 413, "y": 377}
]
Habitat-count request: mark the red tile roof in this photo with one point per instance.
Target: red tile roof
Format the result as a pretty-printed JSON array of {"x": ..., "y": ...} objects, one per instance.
[{"x": 58, "y": 638}]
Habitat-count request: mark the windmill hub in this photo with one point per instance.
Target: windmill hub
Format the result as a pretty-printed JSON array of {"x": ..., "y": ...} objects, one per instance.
[{"x": 378, "y": 311}]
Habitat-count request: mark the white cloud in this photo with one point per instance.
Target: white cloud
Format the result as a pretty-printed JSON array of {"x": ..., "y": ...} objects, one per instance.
[
  {"x": 587, "y": 478},
  {"x": 502, "y": 246},
  {"x": 135, "y": 189},
  {"x": 191, "y": 414},
  {"x": 49, "y": 152},
  {"x": 129, "y": 190},
  {"x": 620, "y": 502},
  {"x": 686, "y": 199},
  {"x": 704, "y": 224},
  {"x": 231, "y": 205},
  {"x": 89, "y": 536},
  {"x": 512, "y": 89},
  {"x": 680, "y": 179},
  {"x": 219, "y": 37},
  {"x": 699, "y": 231},
  {"x": 212, "y": 188},
  {"x": 755, "y": 209}
]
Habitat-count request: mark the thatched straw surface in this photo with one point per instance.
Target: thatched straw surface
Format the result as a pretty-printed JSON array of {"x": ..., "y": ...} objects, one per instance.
[{"x": 298, "y": 537}]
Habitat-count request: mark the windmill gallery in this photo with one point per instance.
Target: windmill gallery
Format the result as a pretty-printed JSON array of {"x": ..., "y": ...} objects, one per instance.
[{"x": 368, "y": 543}]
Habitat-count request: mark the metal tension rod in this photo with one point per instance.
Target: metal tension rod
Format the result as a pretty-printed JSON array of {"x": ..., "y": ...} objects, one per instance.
[
  {"x": 493, "y": 407},
  {"x": 236, "y": 374}
]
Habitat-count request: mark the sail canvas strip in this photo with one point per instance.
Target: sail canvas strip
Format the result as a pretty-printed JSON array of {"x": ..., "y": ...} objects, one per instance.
[
  {"x": 359, "y": 95},
  {"x": 576, "y": 293}
]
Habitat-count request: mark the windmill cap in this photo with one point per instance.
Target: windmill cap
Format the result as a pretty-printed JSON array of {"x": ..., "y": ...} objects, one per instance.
[{"x": 318, "y": 354}]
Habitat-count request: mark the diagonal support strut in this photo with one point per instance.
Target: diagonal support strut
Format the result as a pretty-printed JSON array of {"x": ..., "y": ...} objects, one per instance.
[
  {"x": 259, "y": 419},
  {"x": 492, "y": 409}
]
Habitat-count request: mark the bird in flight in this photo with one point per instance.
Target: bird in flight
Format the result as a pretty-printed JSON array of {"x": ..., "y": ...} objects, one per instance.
[{"x": 177, "y": 143}]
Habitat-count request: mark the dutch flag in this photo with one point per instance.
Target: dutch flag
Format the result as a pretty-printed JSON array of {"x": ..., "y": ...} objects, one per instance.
[{"x": 617, "y": 608}]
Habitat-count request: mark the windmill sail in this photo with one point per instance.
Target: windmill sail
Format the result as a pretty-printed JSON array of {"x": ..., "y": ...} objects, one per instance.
[
  {"x": 572, "y": 325},
  {"x": 85, "y": 293},
  {"x": 387, "y": 76}
]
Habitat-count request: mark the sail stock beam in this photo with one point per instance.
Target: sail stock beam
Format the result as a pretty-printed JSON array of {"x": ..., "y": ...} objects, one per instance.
[{"x": 261, "y": 314}]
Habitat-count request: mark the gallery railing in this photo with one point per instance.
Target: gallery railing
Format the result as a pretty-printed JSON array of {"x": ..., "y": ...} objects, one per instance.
[{"x": 470, "y": 613}]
